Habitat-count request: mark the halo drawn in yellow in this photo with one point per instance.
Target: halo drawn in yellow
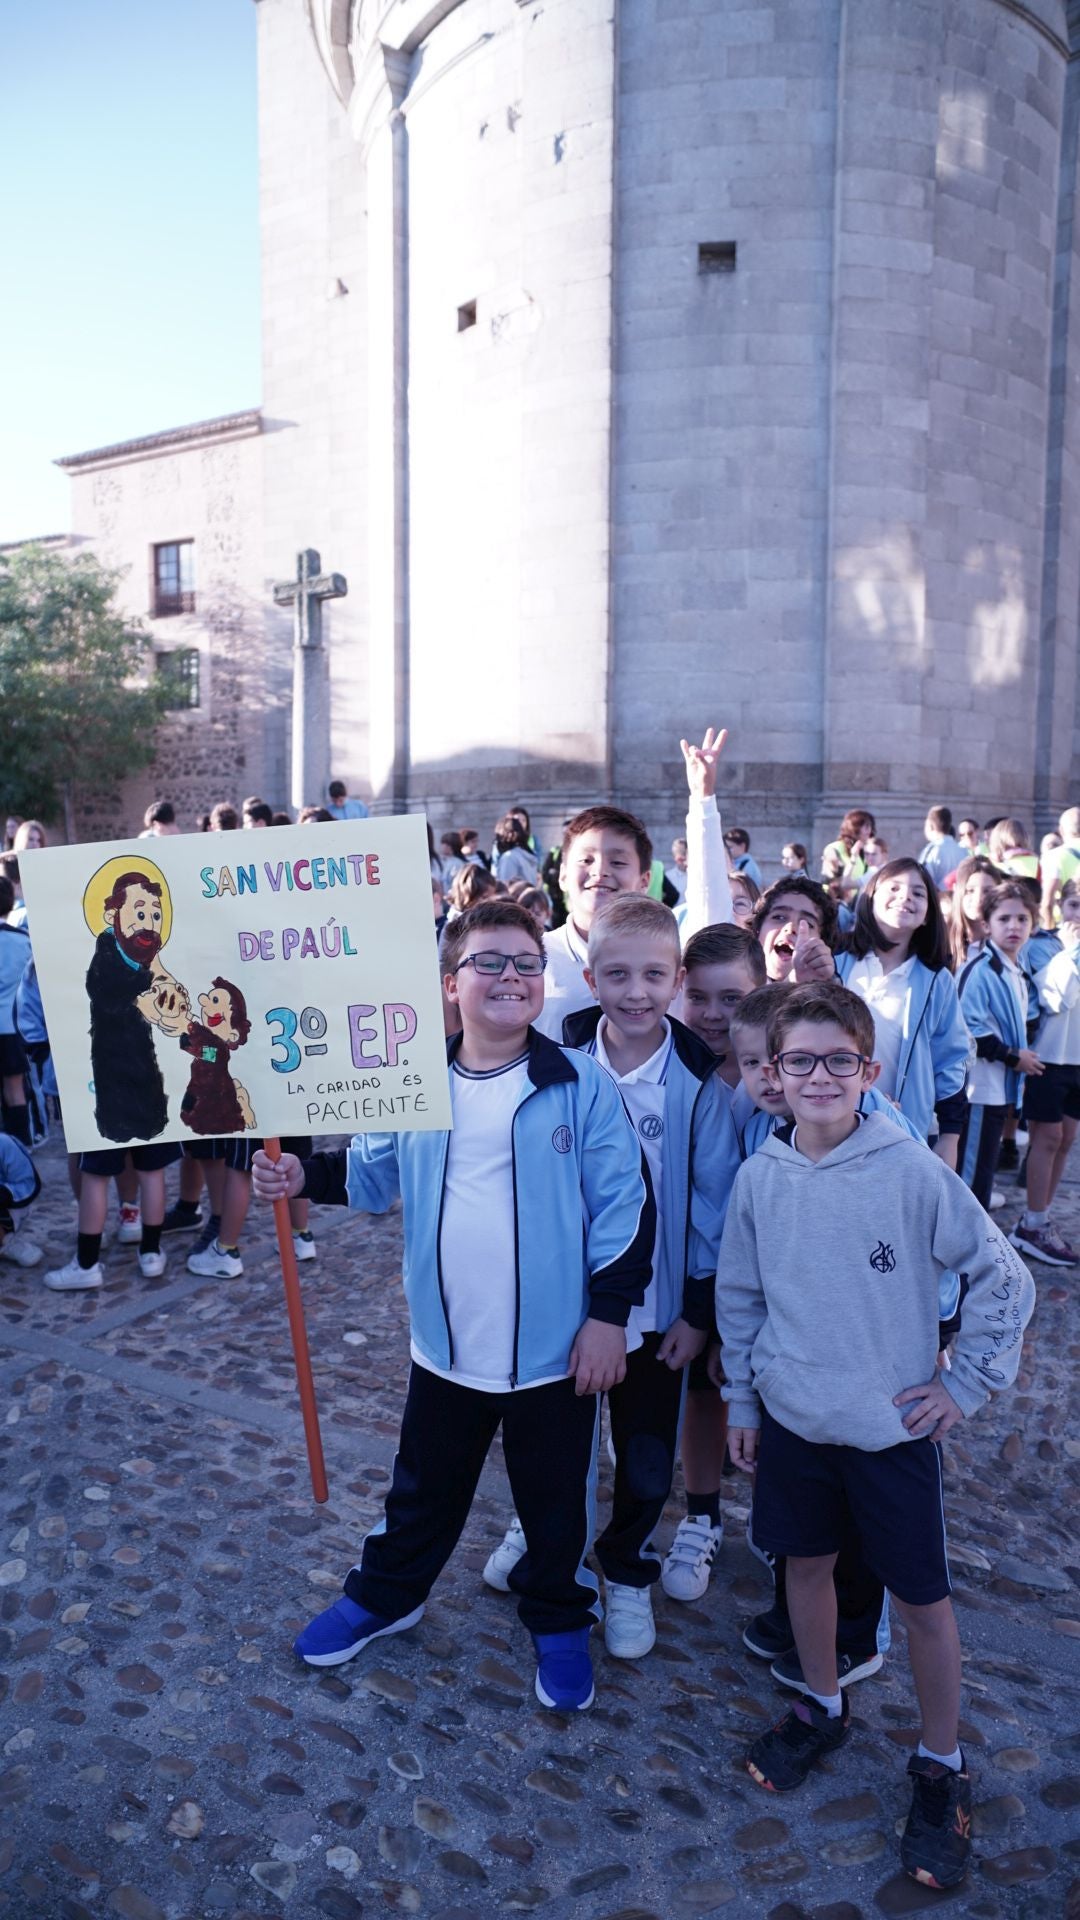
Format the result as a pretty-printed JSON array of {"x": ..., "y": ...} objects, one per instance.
[{"x": 101, "y": 884}]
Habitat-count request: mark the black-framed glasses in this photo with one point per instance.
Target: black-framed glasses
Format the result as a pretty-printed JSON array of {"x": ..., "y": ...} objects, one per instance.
[
  {"x": 842, "y": 1066},
  {"x": 527, "y": 964}
]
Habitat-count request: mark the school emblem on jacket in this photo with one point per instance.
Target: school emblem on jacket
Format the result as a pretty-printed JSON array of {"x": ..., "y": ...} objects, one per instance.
[
  {"x": 883, "y": 1259},
  {"x": 651, "y": 1126},
  {"x": 562, "y": 1139}
]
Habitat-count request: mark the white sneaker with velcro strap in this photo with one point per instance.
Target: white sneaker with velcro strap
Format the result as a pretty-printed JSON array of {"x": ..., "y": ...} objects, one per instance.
[{"x": 688, "y": 1567}]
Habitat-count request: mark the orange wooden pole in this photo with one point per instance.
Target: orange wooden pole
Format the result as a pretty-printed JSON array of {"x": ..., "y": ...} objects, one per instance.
[{"x": 299, "y": 1337}]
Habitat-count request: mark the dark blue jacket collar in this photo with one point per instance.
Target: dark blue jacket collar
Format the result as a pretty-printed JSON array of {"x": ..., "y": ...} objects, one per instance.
[
  {"x": 547, "y": 1065},
  {"x": 581, "y": 1028}
]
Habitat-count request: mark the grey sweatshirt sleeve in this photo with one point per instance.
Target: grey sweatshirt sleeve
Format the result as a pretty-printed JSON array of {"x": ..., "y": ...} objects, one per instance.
[
  {"x": 740, "y": 1304},
  {"x": 999, "y": 1301}
]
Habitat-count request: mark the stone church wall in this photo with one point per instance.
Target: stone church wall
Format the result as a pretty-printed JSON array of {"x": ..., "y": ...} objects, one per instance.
[
  {"x": 760, "y": 407},
  {"x": 312, "y": 228},
  {"x": 508, "y": 120},
  {"x": 726, "y": 138}
]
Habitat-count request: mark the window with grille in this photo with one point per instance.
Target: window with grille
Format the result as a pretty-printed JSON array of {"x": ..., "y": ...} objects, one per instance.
[
  {"x": 174, "y": 578},
  {"x": 180, "y": 671}
]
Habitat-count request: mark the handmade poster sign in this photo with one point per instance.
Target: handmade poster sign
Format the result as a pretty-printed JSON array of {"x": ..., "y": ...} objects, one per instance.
[{"x": 282, "y": 981}]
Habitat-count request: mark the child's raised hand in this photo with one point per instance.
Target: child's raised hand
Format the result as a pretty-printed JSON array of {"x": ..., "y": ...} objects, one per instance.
[
  {"x": 680, "y": 1344},
  {"x": 811, "y": 959},
  {"x": 276, "y": 1179},
  {"x": 1029, "y": 1062},
  {"x": 742, "y": 1445},
  {"x": 597, "y": 1357},
  {"x": 931, "y": 1410},
  {"x": 701, "y": 762}
]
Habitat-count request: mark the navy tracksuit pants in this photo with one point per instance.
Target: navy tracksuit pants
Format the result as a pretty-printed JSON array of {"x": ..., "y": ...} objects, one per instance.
[
  {"x": 645, "y": 1410},
  {"x": 549, "y": 1437}
]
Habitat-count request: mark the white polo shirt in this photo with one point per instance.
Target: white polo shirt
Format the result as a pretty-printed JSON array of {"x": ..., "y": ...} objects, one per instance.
[
  {"x": 565, "y": 987},
  {"x": 643, "y": 1090},
  {"x": 885, "y": 994}
]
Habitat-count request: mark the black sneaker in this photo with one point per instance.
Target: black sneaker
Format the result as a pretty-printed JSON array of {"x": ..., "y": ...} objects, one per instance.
[
  {"x": 769, "y": 1634},
  {"x": 849, "y": 1667},
  {"x": 180, "y": 1219},
  {"x": 783, "y": 1757},
  {"x": 936, "y": 1843},
  {"x": 1008, "y": 1156}
]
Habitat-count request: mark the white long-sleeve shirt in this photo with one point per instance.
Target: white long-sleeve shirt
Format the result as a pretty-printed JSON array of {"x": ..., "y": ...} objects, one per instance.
[
  {"x": 708, "y": 889},
  {"x": 1058, "y": 1041}
]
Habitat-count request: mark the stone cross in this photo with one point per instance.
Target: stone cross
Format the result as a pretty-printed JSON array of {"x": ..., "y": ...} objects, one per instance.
[{"x": 310, "y": 715}]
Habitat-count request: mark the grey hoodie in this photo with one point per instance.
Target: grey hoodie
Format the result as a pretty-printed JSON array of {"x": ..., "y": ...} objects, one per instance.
[{"x": 827, "y": 1287}]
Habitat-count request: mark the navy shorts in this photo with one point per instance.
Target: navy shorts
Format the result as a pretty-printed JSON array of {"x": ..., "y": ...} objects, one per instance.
[
  {"x": 240, "y": 1153},
  {"x": 697, "y": 1377},
  {"x": 201, "y": 1149},
  {"x": 1054, "y": 1095},
  {"x": 809, "y": 1497},
  {"x": 112, "y": 1160},
  {"x": 12, "y": 1056}
]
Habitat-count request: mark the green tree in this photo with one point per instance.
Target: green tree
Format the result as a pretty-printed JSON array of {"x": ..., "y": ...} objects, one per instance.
[{"x": 79, "y": 700}]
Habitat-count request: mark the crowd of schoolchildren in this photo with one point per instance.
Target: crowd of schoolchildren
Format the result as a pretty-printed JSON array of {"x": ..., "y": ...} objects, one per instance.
[{"x": 734, "y": 1151}]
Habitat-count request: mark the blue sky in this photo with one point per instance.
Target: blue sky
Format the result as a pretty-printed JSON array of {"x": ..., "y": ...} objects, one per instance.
[{"x": 128, "y": 148}]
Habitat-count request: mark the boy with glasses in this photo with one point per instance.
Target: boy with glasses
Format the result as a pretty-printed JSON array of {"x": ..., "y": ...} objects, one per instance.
[
  {"x": 528, "y": 1238},
  {"x": 844, "y": 1433}
]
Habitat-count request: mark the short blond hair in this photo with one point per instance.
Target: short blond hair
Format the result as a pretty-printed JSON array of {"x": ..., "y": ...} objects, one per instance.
[
  {"x": 636, "y": 916},
  {"x": 1069, "y": 824}
]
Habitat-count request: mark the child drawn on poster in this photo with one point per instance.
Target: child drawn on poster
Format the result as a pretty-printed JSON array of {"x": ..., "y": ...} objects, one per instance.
[
  {"x": 214, "y": 1103},
  {"x": 127, "y": 907}
]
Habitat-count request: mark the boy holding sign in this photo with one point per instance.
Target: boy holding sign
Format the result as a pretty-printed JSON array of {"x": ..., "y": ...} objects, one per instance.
[{"x": 527, "y": 1336}]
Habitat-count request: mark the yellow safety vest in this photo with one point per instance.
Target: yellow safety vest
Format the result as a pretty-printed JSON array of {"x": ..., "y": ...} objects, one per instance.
[{"x": 1068, "y": 868}]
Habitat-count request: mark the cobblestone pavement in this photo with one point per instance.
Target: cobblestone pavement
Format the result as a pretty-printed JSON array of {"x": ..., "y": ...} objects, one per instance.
[{"x": 163, "y": 1754}]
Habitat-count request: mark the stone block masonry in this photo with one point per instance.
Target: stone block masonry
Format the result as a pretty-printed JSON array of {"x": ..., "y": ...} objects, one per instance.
[{"x": 591, "y": 493}]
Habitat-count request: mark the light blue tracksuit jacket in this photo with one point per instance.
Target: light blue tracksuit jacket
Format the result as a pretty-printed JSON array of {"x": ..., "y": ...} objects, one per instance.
[
  {"x": 699, "y": 1159},
  {"x": 936, "y": 1049},
  {"x": 585, "y": 1219},
  {"x": 993, "y": 1016}
]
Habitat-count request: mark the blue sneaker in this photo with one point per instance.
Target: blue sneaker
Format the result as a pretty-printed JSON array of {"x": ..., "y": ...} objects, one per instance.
[
  {"x": 336, "y": 1635},
  {"x": 564, "y": 1670}
]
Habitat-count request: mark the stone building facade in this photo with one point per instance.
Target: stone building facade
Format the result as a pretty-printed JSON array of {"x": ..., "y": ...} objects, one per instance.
[
  {"x": 179, "y": 516},
  {"x": 716, "y": 360},
  {"x": 645, "y": 363}
]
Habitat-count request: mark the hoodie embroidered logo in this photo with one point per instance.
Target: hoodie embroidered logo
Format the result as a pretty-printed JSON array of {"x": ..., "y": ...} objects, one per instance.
[{"x": 883, "y": 1259}]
